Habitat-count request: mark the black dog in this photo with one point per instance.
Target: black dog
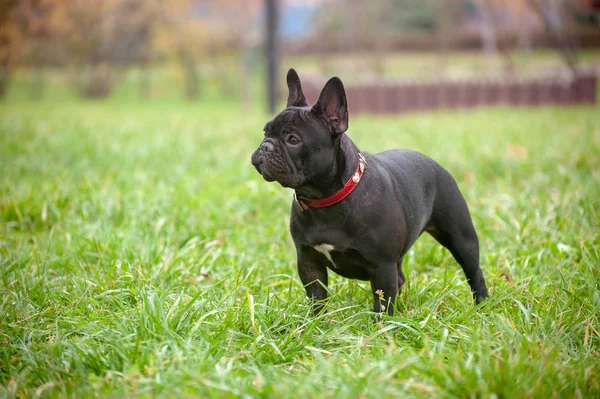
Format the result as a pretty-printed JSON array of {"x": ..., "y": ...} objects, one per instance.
[{"x": 357, "y": 213}]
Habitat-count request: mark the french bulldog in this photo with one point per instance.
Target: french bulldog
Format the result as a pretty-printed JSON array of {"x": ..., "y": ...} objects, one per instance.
[{"x": 358, "y": 214}]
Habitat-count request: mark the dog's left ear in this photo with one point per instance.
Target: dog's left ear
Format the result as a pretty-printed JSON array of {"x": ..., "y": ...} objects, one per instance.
[
  {"x": 296, "y": 97},
  {"x": 332, "y": 106}
]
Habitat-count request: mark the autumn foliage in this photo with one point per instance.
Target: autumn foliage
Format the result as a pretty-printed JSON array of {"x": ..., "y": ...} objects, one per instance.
[{"x": 96, "y": 39}]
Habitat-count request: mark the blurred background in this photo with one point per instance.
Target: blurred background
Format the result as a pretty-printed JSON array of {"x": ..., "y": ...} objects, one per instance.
[{"x": 448, "y": 52}]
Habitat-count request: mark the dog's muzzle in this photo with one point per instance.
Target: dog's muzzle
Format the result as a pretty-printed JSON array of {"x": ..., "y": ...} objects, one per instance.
[
  {"x": 270, "y": 162},
  {"x": 260, "y": 157}
]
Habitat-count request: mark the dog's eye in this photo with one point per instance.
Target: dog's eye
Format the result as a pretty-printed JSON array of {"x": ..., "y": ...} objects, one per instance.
[{"x": 293, "y": 139}]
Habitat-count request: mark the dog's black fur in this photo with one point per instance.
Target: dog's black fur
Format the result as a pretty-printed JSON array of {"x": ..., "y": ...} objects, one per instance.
[{"x": 401, "y": 194}]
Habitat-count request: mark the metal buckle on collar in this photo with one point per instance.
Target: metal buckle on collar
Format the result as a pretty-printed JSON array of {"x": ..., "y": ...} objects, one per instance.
[{"x": 362, "y": 162}]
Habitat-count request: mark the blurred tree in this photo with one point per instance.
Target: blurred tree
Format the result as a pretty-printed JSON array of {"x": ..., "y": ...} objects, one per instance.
[
  {"x": 521, "y": 16},
  {"x": 135, "y": 35},
  {"x": 408, "y": 15},
  {"x": 38, "y": 48},
  {"x": 93, "y": 37},
  {"x": 193, "y": 32},
  {"x": 233, "y": 30},
  {"x": 447, "y": 13},
  {"x": 557, "y": 19},
  {"x": 25, "y": 38},
  {"x": 352, "y": 19},
  {"x": 102, "y": 36},
  {"x": 180, "y": 35},
  {"x": 487, "y": 30},
  {"x": 87, "y": 30}
]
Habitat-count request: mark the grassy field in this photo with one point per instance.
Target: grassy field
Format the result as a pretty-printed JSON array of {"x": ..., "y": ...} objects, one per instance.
[{"x": 141, "y": 255}]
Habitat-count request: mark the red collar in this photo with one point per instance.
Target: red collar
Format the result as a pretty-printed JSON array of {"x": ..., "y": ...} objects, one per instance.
[{"x": 345, "y": 191}]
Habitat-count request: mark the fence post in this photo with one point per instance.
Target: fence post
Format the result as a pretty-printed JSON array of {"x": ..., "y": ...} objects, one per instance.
[{"x": 271, "y": 53}]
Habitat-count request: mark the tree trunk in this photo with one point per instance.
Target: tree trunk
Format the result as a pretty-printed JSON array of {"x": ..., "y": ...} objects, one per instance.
[
  {"x": 99, "y": 82},
  {"x": 4, "y": 79},
  {"x": 551, "y": 17},
  {"x": 190, "y": 74},
  {"x": 444, "y": 23},
  {"x": 524, "y": 34},
  {"x": 488, "y": 35},
  {"x": 245, "y": 54},
  {"x": 38, "y": 84},
  {"x": 145, "y": 82},
  {"x": 246, "y": 70},
  {"x": 272, "y": 53}
]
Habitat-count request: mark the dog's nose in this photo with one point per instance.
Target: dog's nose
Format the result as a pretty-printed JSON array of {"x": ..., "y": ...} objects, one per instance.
[
  {"x": 256, "y": 158},
  {"x": 267, "y": 147}
]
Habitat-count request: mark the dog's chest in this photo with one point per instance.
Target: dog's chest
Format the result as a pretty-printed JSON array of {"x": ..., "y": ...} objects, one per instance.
[
  {"x": 348, "y": 263},
  {"x": 326, "y": 249}
]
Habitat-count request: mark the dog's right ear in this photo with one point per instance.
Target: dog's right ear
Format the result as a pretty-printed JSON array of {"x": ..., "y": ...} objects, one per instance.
[
  {"x": 332, "y": 106},
  {"x": 296, "y": 97}
]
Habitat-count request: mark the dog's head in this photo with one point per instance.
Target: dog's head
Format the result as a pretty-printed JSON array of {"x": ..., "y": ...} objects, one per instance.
[{"x": 299, "y": 143}]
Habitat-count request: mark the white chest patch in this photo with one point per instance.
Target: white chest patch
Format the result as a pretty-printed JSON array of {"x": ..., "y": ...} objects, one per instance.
[{"x": 326, "y": 249}]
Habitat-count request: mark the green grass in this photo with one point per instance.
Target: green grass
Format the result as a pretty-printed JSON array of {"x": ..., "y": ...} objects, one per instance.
[{"x": 142, "y": 255}]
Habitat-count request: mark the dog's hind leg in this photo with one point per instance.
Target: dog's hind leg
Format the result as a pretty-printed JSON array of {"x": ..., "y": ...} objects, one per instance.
[
  {"x": 451, "y": 226},
  {"x": 401, "y": 277},
  {"x": 462, "y": 242}
]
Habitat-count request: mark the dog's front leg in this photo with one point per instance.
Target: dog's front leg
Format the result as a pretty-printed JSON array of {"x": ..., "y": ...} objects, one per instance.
[
  {"x": 384, "y": 284},
  {"x": 314, "y": 277}
]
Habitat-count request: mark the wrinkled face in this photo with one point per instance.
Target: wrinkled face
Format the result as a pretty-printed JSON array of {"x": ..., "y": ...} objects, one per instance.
[{"x": 297, "y": 146}]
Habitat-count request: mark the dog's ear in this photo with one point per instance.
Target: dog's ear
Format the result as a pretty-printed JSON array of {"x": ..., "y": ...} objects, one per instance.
[
  {"x": 296, "y": 97},
  {"x": 332, "y": 106}
]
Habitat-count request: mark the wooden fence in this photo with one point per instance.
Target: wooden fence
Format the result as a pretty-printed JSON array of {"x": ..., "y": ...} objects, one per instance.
[{"x": 404, "y": 97}]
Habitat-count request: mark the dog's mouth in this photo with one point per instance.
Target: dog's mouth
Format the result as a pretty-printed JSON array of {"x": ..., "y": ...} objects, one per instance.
[
  {"x": 285, "y": 180},
  {"x": 259, "y": 164},
  {"x": 293, "y": 183},
  {"x": 265, "y": 174}
]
